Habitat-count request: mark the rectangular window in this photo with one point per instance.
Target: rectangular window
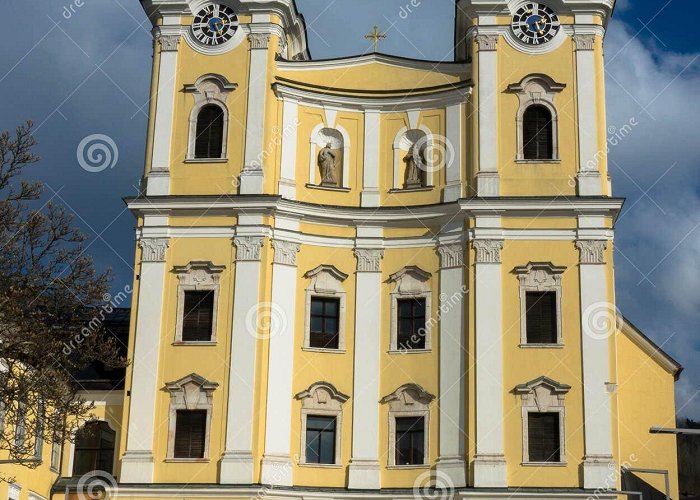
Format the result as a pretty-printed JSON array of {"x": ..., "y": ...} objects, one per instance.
[
  {"x": 411, "y": 320},
  {"x": 320, "y": 440},
  {"x": 325, "y": 321},
  {"x": 410, "y": 440},
  {"x": 541, "y": 317},
  {"x": 55, "y": 455},
  {"x": 190, "y": 433},
  {"x": 198, "y": 316},
  {"x": 543, "y": 437}
]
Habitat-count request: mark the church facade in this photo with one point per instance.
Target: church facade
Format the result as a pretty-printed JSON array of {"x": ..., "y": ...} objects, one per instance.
[{"x": 379, "y": 277}]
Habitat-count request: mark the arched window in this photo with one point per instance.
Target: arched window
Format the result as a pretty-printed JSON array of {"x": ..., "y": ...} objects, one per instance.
[
  {"x": 94, "y": 449},
  {"x": 537, "y": 133},
  {"x": 210, "y": 132}
]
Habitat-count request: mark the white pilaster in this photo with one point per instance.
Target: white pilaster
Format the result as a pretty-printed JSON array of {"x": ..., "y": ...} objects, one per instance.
[
  {"x": 252, "y": 175},
  {"x": 167, "y": 37},
  {"x": 277, "y": 462},
  {"x": 453, "y": 188},
  {"x": 137, "y": 461},
  {"x": 237, "y": 461},
  {"x": 589, "y": 178},
  {"x": 488, "y": 182},
  {"x": 489, "y": 463},
  {"x": 370, "y": 185},
  {"x": 597, "y": 326},
  {"x": 290, "y": 120},
  {"x": 451, "y": 404},
  {"x": 364, "y": 470}
]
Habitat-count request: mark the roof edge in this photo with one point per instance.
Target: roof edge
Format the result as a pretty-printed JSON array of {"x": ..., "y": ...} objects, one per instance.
[{"x": 665, "y": 360}]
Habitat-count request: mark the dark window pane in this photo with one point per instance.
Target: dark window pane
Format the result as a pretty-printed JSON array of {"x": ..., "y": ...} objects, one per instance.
[
  {"x": 541, "y": 317},
  {"x": 410, "y": 440},
  {"x": 325, "y": 320},
  {"x": 198, "y": 316},
  {"x": 94, "y": 449},
  {"x": 210, "y": 132},
  {"x": 537, "y": 133},
  {"x": 320, "y": 440},
  {"x": 190, "y": 433},
  {"x": 543, "y": 437},
  {"x": 411, "y": 324}
]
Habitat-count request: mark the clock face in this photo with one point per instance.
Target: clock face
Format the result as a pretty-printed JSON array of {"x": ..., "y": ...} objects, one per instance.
[
  {"x": 534, "y": 23},
  {"x": 214, "y": 24}
]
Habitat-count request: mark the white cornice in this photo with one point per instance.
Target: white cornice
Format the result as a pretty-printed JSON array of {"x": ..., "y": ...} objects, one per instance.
[
  {"x": 450, "y": 68},
  {"x": 324, "y": 99}
]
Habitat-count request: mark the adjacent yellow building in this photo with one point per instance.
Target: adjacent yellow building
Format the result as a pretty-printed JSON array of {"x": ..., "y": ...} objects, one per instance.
[{"x": 379, "y": 277}]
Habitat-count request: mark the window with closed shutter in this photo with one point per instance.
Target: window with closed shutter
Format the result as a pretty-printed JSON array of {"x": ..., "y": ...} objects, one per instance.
[
  {"x": 198, "y": 316},
  {"x": 541, "y": 317},
  {"x": 209, "y": 138},
  {"x": 543, "y": 437},
  {"x": 190, "y": 433},
  {"x": 537, "y": 134}
]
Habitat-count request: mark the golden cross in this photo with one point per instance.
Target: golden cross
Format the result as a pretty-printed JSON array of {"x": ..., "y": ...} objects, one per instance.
[{"x": 376, "y": 36}]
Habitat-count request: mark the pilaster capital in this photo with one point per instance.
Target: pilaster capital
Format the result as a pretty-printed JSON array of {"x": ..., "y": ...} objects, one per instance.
[
  {"x": 488, "y": 251},
  {"x": 168, "y": 42},
  {"x": 584, "y": 41},
  {"x": 451, "y": 256},
  {"x": 248, "y": 247},
  {"x": 153, "y": 249},
  {"x": 592, "y": 251},
  {"x": 369, "y": 260},
  {"x": 486, "y": 42},
  {"x": 285, "y": 252},
  {"x": 259, "y": 40}
]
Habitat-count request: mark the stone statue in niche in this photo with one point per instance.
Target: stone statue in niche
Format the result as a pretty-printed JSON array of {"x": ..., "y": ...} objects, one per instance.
[
  {"x": 327, "y": 163},
  {"x": 415, "y": 166}
]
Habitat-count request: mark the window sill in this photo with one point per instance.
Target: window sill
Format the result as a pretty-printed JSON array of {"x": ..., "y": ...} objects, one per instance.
[
  {"x": 323, "y": 351},
  {"x": 409, "y": 351},
  {"x": 321, "y": 466},
  {"x": 408, "y": 467},
  {"x": 538, "y": 162},
  {"x": 412, "y": 190},
  {"x": 328, "y": 188},
  {"x": 186, "y": 460},
  {"x": 544, "y": 464},
  {"x": 194, "y": 344},
  {"x": 542, "y": 346},
  {"x": 206, "y": 160}
]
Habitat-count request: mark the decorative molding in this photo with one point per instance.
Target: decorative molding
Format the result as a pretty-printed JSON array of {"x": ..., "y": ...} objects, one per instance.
[
  {"x": 411, "y": 283},
  {"x": 406, "y": 396},
  {"x": 488, "y": 251},
  {"x": 592, "y": 251},
  {"x": 197, "y": 276},
  {"x": 259, "y": 40},
  {"x": 369, "y": 260},
  {"x": 451, "y": 256},
  {"x": 248, "y": 248},
  {"x": 168, "y": 43},
  {"x": 584, "y": 42},
  {"x": 540, "y": 277},
  {"x": 153, "y": 249},
  {"x": 409, "y": 400},
  {"x": 326, "y": 281},
  {"x": 322, "y": 399},
  {"x": 285, "y": 252},
  {"x": 487, "y": 42}
]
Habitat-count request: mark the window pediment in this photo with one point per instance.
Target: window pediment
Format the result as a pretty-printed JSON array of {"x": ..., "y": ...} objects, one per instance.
[
  {"x": 539, "y": 275},
  {"x": 199, "y": 273},
  {"x": 542, "y": 393},
  {"x": 326, "y": 279},
  {"x": 322, "y": 396},
  {"x": 408, "y": 397},
  {"x": 191, "y": 392},
  {"x": 411, "y": 280}
]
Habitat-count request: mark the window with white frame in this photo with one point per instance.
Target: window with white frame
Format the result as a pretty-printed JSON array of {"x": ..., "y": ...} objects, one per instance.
[
  {"x": 540, "y": 304},
  {"x": 411, "y": 307},
  {"x": 13, "y": 491},
  {"x": 191, "y": 405},
  {"x": 543, "y": 421},
  {"x": 537, "y": 119},
  {"x": 197, "y": 300},
  {"x": 56, "y": 448},
  {"x": 324, "y": 326},
  {"x": 209, "y": 119},
  {"x": 321, "y": 424},
  {"x": 409, "y": 419}
]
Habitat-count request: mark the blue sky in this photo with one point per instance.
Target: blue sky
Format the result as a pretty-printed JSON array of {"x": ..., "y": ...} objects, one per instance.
[{"x": 80, "y": 70}]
